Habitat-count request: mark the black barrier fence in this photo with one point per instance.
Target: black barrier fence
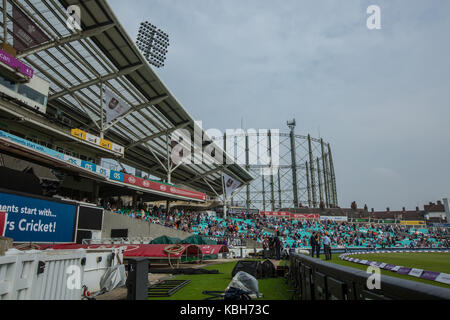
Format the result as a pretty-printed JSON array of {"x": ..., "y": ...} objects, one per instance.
[
  {"x": 313, "y": 279},
  {"x": 371, "y": 249}
]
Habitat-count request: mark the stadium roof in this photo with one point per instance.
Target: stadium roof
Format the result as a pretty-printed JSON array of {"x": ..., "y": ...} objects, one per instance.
[{"x": 77, "y": 63}]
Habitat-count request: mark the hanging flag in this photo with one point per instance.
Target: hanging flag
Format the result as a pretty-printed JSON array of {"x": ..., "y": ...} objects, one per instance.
[
  {"x": 114, "y": 106},
  {"x": 3, "y": 220},
  {"x": 230, "y": 184},
  {"x": 26, "y": 33}
]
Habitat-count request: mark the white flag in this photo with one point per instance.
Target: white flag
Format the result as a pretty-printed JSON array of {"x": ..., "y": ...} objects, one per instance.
[
  {"x": 231, "y": 184},
  {"x": 114, "y": 106}
]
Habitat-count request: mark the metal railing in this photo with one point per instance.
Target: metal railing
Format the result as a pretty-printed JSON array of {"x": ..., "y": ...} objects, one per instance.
[{"x": 313, "y": 279}]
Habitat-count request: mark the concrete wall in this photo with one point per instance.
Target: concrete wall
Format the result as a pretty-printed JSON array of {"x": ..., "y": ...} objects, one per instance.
[
  {"x": 137, "y": 228},
  {"x": 5, "y": 244}
]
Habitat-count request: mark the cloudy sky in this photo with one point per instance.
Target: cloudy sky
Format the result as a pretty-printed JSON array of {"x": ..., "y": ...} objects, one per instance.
[{"x": 380, "y": 97}]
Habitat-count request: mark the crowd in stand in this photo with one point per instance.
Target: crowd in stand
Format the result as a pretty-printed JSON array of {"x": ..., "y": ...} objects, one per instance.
[{"x": 292, "y": 234}]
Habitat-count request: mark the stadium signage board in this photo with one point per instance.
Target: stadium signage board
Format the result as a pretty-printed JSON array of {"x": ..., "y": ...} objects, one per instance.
[
  {"x": 35, "y": 219},
  {"x": 117, "y": 176},
  {"x": 332, "y": 218},
  {"x": 105, "y": 144},
  {"x": 242, "y": 210},
  {"x": 440, "y": 225},
  {"x": 412, "y": 223},
  {"x": 288, "y": 215},
  {"x": 31, "y": 145},
  {"x": 276, "y": 214},
  {"x": 16, "y": 64},
  {"x": 89, "y": 166},
  {"x": 297, "y": 216},
  {"x": 109, "y": 174},
  {"x": 152, "y": 185}
]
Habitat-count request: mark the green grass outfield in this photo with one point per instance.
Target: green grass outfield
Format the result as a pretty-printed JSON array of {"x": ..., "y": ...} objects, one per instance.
[
  {"x": 272, "y": 289},
  {"x": 439, "y": 262}
]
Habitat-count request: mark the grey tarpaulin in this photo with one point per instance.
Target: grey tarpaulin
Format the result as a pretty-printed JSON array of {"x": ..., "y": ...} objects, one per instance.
[{"x": 246, "y": 282}]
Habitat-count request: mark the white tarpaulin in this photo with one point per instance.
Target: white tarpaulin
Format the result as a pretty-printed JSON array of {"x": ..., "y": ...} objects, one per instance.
[
  {"x": 230, "y": 184},
  {"x": 114, "y": 106},
  {"x": 113, "y": 278}
]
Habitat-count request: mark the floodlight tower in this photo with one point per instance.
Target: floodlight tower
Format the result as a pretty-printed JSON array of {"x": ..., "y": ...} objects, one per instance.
[
  {"x": 153, "y": 43},
  {"x": 292, "y": 124}
]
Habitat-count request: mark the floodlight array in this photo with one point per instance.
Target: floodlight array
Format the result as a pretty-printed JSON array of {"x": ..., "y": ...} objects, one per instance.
[{"x": 153, "y": 43}]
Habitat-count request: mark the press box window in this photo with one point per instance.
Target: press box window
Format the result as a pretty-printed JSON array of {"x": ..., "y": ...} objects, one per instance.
[
  {"x": 32, "y": 94},
  {"x": 8, "y": 83}
]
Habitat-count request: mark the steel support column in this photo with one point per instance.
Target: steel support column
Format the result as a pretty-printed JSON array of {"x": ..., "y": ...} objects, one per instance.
[
  {"x": 279, "y": 189},
  {"x": 272, "y": 188},
  {"x": 312, "y": 174},
  {"x": 319, "y": 177},
  {"x": 333, "y": 177},
  {"x": 247, "y": 167},
  {"x": 325, "y": 174},
  {"x": 308, "y": 184},
  {"x": 263, "y": 193},
  {"x": 294, "y": 168}
]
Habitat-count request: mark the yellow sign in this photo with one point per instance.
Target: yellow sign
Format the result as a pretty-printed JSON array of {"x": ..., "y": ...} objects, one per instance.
[
  {"x": 106, "y": 144},
  {"x": 413, "y": 223},
  {"x": 78, "y": 133}
]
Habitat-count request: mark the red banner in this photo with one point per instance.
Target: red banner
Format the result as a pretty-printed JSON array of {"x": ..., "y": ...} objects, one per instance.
[
  {"x": 26, "y": 33},
  {"x": 3, "y": 219},
  {"x": 146, "y": 184},
  {"x": 297, "y": 216},
  {"x": 288, "y": 215},
  {"x": 275, "y": 214}
]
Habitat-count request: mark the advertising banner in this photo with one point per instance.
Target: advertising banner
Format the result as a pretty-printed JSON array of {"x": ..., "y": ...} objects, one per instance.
[
  {"x": 114, "y": 106},
  {"x": 92, "y": 139},
  {"x": 298, "y": 216},
  {"x": 103, "y": 171},
  {"x": 89, "y": 166},
  {"x": 31, "y": 145},
  {"x": 412, "y": 223},
  {"x": 72, "y": 160},
  {"x": 288, "y": 215},
  {"x": 230, "y": 184},
  {"x": 25, "y": 32},
  {"x": 16, "y": 64},
  {"x": 117, "y": 176},
  {"x": 106, "y": 144},
  {"x": 80, "y": 134},
  {"x": 337, "y": 219},
  {"x": 152, "y": 185},
  {"x": 33, "y": 219},
  {"x": 275, "y": 214},
  {"x": 389, "y": 221}
]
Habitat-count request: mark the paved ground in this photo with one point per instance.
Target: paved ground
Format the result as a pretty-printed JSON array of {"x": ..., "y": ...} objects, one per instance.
[{"x": 121, "y": 293}]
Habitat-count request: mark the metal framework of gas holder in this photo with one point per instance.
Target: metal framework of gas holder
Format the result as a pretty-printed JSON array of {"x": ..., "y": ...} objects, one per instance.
[{"x": 289, "y": 170}]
